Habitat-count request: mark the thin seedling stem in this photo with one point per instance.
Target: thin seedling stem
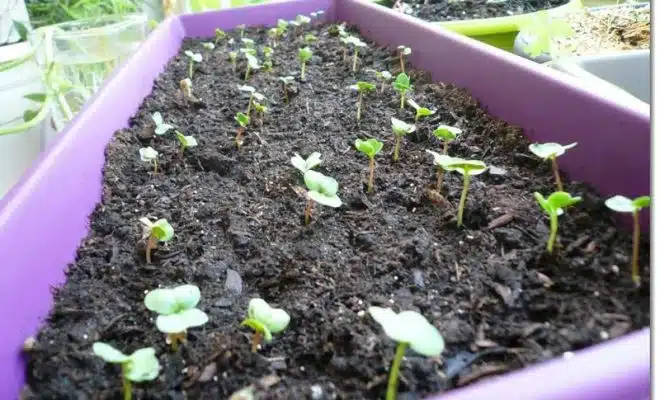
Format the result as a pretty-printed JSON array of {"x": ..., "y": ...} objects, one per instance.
[
  {"x": 372, "y": 168},
  {"x": 445, "y": 148},
  {"x": 355, "y": 60},
  {"x": 247, "y": 73},
  {"x": 155, "y": 166},
  {"x": 190, "y": 69},
  {"x": 635, "y": 256},
  {"x": 393, "y": 381},
  {"x": 239, "y": 138},
  {"x": 461, "y": 204},
  {"x": 553, "y": 232},
  {"x": 555, "y": 171},
  {"x": 302, "y": 71},
  {"x": 359, "y": 105},
  {"x": 397, "y": 143},
  {"x": 308, "y": 211},
  {"x": 403, "y": 98},
  {"x": 256, "y": 340},
  {"x": 128, "y": 389},
  {"x": 151, "y": 244},
  {"x": 441, "y": 176},
  {"x": 403, "y": 64}
]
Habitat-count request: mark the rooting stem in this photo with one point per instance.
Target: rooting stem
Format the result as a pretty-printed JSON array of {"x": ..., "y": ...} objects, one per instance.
[
  {"x": 239, "y": 138},
  {"x": 308, "y": 211},
  {"x": 372, "y": 168},
  {"x": 461, "y": 204},
  {"x": 393, "y": 381},
  {"x": 635, "y": 256},
  {"x": 397, "y": 143},
  {"x": 256, "y": 341},
  {"x": 555, "y": 171}
]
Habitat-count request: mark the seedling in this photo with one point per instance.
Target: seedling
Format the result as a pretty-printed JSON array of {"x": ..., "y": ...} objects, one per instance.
[
  {"x": 400, "y": 129},
  {"x": 161, "y": 127},
  {"x": 265, "y": 320},
  {"x": 177, "y": 312},
  {"x": 309, "y": 38},
  {"x": 345, "y": 39},
  {"x": 252, "y": 64},
  {"x": 402, "y": 85},
  {"x": 243, "y": 121},
  {"x": 321, "y": 189},
  {"x": 261, "y": 110},
  {"x": 140, "y": 366},
  {"x": 185, "y": 141},
  {"x": 249, "y": 43},
  {"x": 303, "y": 165},
  {"x": 403, "y": 53},
  {"x": 408, "y": 329},
  {"x": 272, "y": 36},
  {"x": 384, "y": 77},
  {"x": 149, "y": 155},
  {"x": 357, "y": 45},
  {"x": 446, "y": 134},
  {"x": 242, "y": 28},
  {"x": 155, "y": 232},
  {"x": 282, "y": 26},
  {"x": 304, "y": 55},
  {"x": 303, "y": 19},
  {"x": 251, "y": 91},
  {"x": 420, "y": 111},
  {"x": 286, "y": 82},
  {"x": 268, "y": 52},
  {"x": 632, "y": 206},
  {"x": 193, "y": 58},
  {"x": 233, "y": 55},
  {"x": 267, "y": 66},
  {"x": 442, "y": 161},
  {"x": 185, "y": 85},
  {"x": 467, "y": 168},
  {"x": 362, "y": 88},
  {"x": 554, "y": 206},
  {"x": 219, "y": 35},
  {"x": 370, "y": 148},
  {"x": 208, "y": 46},
  {"x": 550, "y": 151}
]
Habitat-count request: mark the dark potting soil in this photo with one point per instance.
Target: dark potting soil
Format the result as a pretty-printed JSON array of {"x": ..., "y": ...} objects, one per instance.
[
  {"x": 447, "y": 10},
  {"x": 499, "y": 300}
]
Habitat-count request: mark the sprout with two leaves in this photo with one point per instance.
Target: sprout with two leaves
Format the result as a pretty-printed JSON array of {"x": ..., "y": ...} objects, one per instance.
[
  {"x": 383, "y": 77},
  {"x": 161, "y": 127},
  {"x": 310, "y": 38},
  {"x": 467, "y": 168},
  {"x": 149, "y": 155},
  {"x": 177, "y": 312},
  {"x": 286, "y": 82},
  {"x": 185, "y": 85},
  {"x": 272, "y": 36},
  {"x": 304, "y": 55},
  {"x": 268, "y": 52},
  {"x": 249, "y": 43},
  {"x": 408, "y": 329},
  {"x": 362, "y": 88},
  {"x": 252, "y": 64},
  {"x": 233, "y": 56},
  {"x": 554, "y": 206},
  {"x": 440, "y": 161},
  {"x": 550, "y": 151},
  {"x": 219, "y": 35},
  {"x": 400, "y": 130},
  {"x": 304, "y": 165},
  {"x": 267, "y": 64},
  {"x": 254, "y": 95},
  {"x": 403, "y": 52},
  {"x": 446, "y": 134},
  {"x": 155, "y": 232},
  {"x": 208, "y": 46},
  {"x": 419, "y": 110},
  {"x": 261, "y": 111},
  {"x": 185, "y": 142},
  {"x": 357, "y": 45},
  {"x": 300, "y": 21},
  {"x": 265, "y": 320},
  {"x": 623, "y": 204},
  {"x": 141, "y": 366},
  {"x": 192, "y": 59},
  {"x": 243, "y": 121},
  {"x": 321, "y": 189},
  {"x": 370, "y": 148},
  {"x": 402, "y": 85}
]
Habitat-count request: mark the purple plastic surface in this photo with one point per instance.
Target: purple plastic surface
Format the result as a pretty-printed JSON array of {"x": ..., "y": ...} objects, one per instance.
[{"x": 45, "y": 217}]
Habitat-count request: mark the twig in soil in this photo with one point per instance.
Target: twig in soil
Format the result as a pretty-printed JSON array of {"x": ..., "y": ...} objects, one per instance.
[{"x": 500, "y": 221}]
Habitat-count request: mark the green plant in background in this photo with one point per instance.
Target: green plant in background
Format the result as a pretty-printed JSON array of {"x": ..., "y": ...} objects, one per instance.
[
  {"x": 623, "y": 204},
  {"x": 410, "y": 330},
  {"x": 403, "y": 53},
  {"x": 304, "y": 165},
  {"x": 446, "y": 134},
  {"x": 219, "y": 35},
  {"x": 185, "y": 142},
  {"x": 370, "y": 148},
  {"x": 286, "y": 82},
  {"x": 252, "y": 65},
  {"x": 142, "y": 365},
  {"x": 420, "y": 111},
  {"x": 177, "y": 312},
  {"x": 243, "y": 121},
  {"x": 541, "y": 28},
  {"x": 550, "y": 151},
  {"x": 400, "y": 130},
  {"x": 264, "y": 320},
  {"x": 304, "y": 55},
  {"x": 192, "y": 59},
  {"x": 321, "y": 189},
  {"x": 50, "y": 12},
  {"x": 149, "y": 155},
  {"x": 361, "y": 88},
  {"x": 467, "y": 168},
  {"x": 154, "y": 232},
  {"x": 553, "y": 206},
  {"x": 402, "y": 85},
  {"x": 161, "y": 127}
]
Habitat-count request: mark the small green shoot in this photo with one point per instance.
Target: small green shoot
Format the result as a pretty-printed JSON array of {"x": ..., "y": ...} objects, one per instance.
[
  {"x": 208, "y": 46},
  {"x": 140, "y": 366},
  {"x": 154, "y": 232},
  {"x": 467, "y": 168},
  {"x": 554, "y": 206},
  {"x": 384, "y": 77},
  {"x": 400, "y": 129},
  {"x": 186, "y": 142},
  {"x": 362, "y": 88},
  {"x": 370, "y": 148},
  {"x": 161, "y": 127},
  {"x": 268, "y": 52},
  {"x": 177, "y": 311},
  {"x": 251, "y": 91},
  {"x": 242, "y": 28},
  {"x": 303, "y": 165},
  {"x": 408, "y": 329},
  {"x": 446, "y": 134},
  {"x": 442, "y": 161},
  {"x": 550, "y": 151},
  {"x": 252, "y": 64},
  {"x": 193, "y": 58},
  {"x": 321, "y": 189},
  {"x": 419, "y": 110},
  {"x": 185, "y": 85},
  {"x": 632, "y": 206},
  {"x": 243, "y": 121},
  {"x": 233, "y": 56},
  {"x": 249, "y": 43},
  {"x": 402, "y": 85},
  {"x": 309, "y": 38},
  {"x": 260, "y": 108},
  {"x": 286, "y": 82},
  {"x": 219, "y": 35},
  {"x": 272, "y": 36},
  {"x": 265, "y": 320},
  {"x": 357, "y": 45},
  {"x": 403, "y": 53},
  {"x": 149, "y": 155},
  {"x": 304, "y": 55}
]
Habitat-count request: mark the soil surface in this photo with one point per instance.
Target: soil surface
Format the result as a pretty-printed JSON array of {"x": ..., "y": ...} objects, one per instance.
[
  {"x": 447, "y": 10},
  {"x": 499, "y": 300}
]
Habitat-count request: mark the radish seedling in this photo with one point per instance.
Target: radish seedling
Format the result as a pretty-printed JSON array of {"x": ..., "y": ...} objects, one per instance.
[
  {"x": 467, "y": 168},
  {"x": 383, "y": 77},
  {"x": 161, "y": 127},
  {"x": 400, "y": 129},
  {"x": 550, "y": 151},
  {"x": 553, "y": 206},
  {"x": 219, "y": 35},
  {"x": 442, "y": 161},
  {"x": 362, "y": 88},
  {"x": 193, "y": 58},
  {"x": 286, "y": 82},
  {"x": 370, "y": 148},
  {"x": 149, "y": 155},
  {"x": 309, "y": 38},
  {"x": 140, "y": 366},
  {"x": 268, "y": 52},
  {"x": 264, "y": 320},
  {"x": 632, "y": 206},
  {"x": 420, "y": 111},
  {"x": 357, "y": 45},
  {"x": 243, "y": 121},
  {"x": 402, "y": 85},
  {"x": 321, "y": 189},
  {"x": 154, "y": 232},
  {"x": 249, "y": 43},
  {"x": 408, "y": 329},
  {"x": 303, "y": 165},
  {"x": 252, "y": 64},
  {"x": 304, "y": 55},
  {"x": 403, "y": 53},
  {"x": 208, "y": 46},
  {"x": 233, "y": 55},
  {"x": 185, "y": 141},
  {"x": 446, "y": 134},
  {"x": 261, "y": 110},
  {"x": 251, "y": 91},
  {"x": 177, "y": 312}
]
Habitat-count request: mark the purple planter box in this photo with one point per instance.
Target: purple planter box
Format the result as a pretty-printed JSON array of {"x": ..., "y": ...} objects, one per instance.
[{"x": 45, "y": 217}]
